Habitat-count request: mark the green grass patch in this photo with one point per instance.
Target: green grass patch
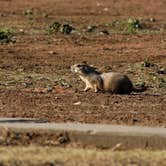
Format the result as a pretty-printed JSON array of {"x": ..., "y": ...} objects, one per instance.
[
  {"x": 22, "y": 78},
  {"x": 153, "y": 75},
  {"x": 128, "y": 26}
]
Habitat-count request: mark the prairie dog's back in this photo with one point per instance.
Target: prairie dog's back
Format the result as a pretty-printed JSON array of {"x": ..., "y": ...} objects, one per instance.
[
  {"x": 116, "y": 82},
  {"x": 107, "y": 79}
]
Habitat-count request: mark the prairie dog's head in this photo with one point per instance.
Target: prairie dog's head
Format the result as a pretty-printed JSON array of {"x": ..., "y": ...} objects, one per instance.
[{"x": 83, "y": 69}]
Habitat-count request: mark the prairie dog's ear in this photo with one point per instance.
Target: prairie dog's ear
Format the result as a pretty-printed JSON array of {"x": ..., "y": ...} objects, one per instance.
[{"x": 84, "y": 62}]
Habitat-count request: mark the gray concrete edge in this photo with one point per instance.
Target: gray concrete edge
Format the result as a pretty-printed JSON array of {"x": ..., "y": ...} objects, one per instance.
[{"x": 101, "y": 136}]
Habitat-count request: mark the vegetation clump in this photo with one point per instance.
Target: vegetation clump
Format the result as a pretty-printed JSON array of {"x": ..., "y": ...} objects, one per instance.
[
  {"x": 66, "y": 29},
  {"x": 91, "y": 28},
  {"x": 133, "y": 25},
  {"x": 58, "y": 27},
  {"x": 129, "y": 26},
  {"x": 6, "y": 35},
  {"x": 54, "y": 27},
  {"x": 147, "y": 63},
  {"x": 28, "y": 12}
]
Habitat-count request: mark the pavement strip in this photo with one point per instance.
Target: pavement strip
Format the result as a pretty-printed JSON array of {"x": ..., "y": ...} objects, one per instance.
[{"x": 93, "y": 135}]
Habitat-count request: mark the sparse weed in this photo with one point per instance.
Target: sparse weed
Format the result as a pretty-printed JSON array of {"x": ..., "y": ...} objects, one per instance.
[
  {"x": 133, "y": 25},
  {"x": 147, "y": 63},
  {"x": 148, "y": 74},
  {"x": 22, "y": 78},
  {"x": 6, "y": 35},
  {"x": 28, "y": 12},
  {"x": 128, "y": 26},
  {"x": 54, "y": 27},
  {"x": 66, "y": 29},
  {"x": 106, "y": 68},
  {"x": 62, "y": 82},
  {"x": 91, "y": 28},
  {"x": 58, "y": 27}
]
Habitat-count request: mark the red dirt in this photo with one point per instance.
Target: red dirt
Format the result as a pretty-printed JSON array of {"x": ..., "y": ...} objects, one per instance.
[{"x": 52, "y": 55}]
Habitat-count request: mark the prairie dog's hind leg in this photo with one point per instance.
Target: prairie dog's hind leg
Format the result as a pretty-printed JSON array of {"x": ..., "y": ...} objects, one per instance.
[{"x": 95, "y": 88}]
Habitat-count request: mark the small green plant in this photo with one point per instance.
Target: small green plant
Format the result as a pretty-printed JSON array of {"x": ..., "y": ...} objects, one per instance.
[
  {"x": 147, "y": 63},
  {"x": 54, "y": 27},
  {"x": 128, "y": 26},
  {"x": 91, "y": 28},
  {"x": 28, "y": 12},
  {"x": 6, "y": 35},
  {"x": 106, "y": 68},
  {"x": 162, "y": 83},
  {"x": 140, "y": 84},
  {"x": 133, "y": 25},
  {"x": 66, "y": 29},
  {"x": 62, "y": 82},
  {"x": 62, "y": 28}
]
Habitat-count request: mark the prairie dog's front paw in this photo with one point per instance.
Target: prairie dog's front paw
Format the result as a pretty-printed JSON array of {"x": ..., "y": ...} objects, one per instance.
[{"x": 86, "y": 89}]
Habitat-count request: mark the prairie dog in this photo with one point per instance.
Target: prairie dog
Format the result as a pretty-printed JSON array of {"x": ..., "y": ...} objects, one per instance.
[{"x": 113, "y": 82}]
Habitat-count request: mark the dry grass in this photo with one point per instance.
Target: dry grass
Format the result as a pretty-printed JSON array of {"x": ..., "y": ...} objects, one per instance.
[{"x": 28, "y": 156}]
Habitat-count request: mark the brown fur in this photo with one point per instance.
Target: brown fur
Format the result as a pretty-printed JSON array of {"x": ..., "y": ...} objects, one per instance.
[{"x": 108, "y": 82}]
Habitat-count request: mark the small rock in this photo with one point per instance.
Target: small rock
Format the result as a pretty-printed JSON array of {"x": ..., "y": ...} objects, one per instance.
[
  {"x": 52, "y": 52},
  {"x": 104, "y": 32},
  {"x": 45, "y": 15},
  {"x": 21, "y": 30},
  {"x": 2, "y": 15},
  {"x": 105, "y": 9},
  {"x": 77, "y": 103},
  {"x": 91, "y": 28},
  {"x": 117, "y": 147},
  {"x": 161, "y": 71},
  {"x": 152, "y": 19},
  {"x": 98, "y": 4},
  {"x": 49, "y": 88}
]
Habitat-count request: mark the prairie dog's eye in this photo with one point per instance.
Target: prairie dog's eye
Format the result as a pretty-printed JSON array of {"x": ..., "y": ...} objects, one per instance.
[{"x": 79, "y": 65}]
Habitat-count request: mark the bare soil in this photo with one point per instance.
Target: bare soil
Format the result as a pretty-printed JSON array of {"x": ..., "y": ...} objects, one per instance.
[{"x": 35, "y": 77}]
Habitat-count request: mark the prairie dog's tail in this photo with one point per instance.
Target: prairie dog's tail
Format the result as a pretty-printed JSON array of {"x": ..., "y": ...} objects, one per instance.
[{"x": 139, "y": 88}]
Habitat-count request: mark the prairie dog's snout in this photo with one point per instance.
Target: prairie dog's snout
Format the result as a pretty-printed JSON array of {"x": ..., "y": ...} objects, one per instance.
[
  {"x": 78, "y": 68},
  {"x": 74, "y": 69}
]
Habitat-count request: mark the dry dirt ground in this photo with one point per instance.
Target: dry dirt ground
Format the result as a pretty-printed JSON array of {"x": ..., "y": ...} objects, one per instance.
[{"x": 35, "y": 77}]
